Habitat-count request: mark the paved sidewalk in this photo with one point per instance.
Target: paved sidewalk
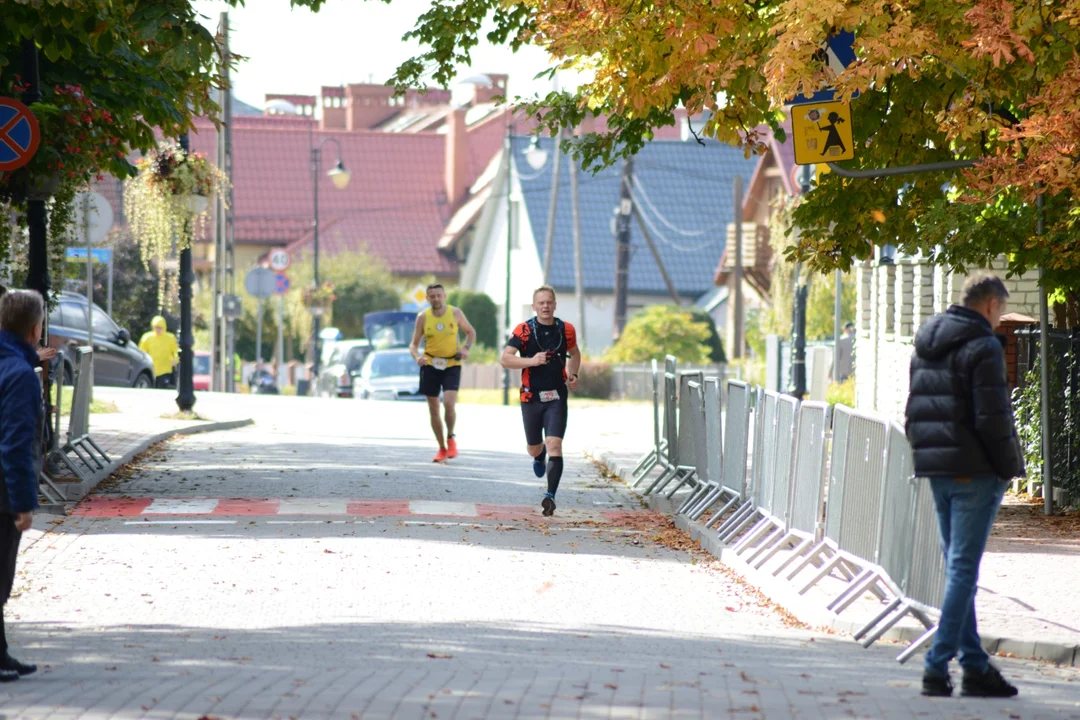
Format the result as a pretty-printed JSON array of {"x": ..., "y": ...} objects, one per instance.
[
  {"x": 146, "y": 417},
  {"x": 1028, "y": 603}
]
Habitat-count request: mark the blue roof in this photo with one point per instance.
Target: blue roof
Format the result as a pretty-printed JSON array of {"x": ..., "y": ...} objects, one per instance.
[{"x": 684, "y": 192}]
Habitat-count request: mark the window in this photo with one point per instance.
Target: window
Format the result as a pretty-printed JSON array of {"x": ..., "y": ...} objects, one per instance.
[
  {"x": 104, "y": 327},
  {"x": 74, "y": 316},
  {"x": 200, "y": 365},
  {"x": 355, "y": 358},
  {"x": 391, "y": 364}
]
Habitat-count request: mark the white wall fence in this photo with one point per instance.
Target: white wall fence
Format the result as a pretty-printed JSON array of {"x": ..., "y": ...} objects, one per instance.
[{"x": 802, "y": 490}]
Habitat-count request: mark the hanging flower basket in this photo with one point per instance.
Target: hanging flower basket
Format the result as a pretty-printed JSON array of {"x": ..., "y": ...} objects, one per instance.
[
  {"x": 167, "y": 202},
  {"x": 318, "y": 299}
]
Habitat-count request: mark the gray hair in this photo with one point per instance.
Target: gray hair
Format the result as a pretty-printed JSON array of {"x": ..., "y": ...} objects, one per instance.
[
  {"x": 20, "y": 311},
  {"x": 982, "y": 286}
]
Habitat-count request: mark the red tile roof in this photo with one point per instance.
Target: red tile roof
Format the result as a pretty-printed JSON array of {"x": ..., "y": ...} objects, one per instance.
[{"x": 395, "y": 204}]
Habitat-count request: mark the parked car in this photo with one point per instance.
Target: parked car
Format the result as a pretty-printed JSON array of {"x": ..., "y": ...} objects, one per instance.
[
  {"x": 200, "y": 370},
  {"x": 118, "y": 360},
  {"x": 388, "y": 375},
  {"x": 336, "y": 378}
]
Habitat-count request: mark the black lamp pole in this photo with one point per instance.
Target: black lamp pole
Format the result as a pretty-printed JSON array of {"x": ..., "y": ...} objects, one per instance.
[
  {"x": 185, "y": 397},
  {"x": 37, "y": 275},
  {"x": 316, "y": 158}
]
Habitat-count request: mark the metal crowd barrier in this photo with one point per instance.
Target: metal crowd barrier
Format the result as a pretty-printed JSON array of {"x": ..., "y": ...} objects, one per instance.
[
  {"x": 667, "y": 448},
  {"x": 733, "y": 526},
  {"x": 804, "y": 520},
  {"x": 805, "y": 485},
  {"x": 79, "y": 443},
  {"x": 718, "y": 434},
  {"x": 694, "y": 411},
  {"x": 775, "y": 495},
  {"x": 651, "y": 458}
]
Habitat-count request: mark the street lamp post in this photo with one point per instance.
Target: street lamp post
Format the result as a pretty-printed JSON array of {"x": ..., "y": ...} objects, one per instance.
[
  {"x": 340, "y": 177},
  {"x": 185, "y": 396}
]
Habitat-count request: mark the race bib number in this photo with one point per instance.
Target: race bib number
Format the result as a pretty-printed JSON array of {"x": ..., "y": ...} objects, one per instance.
[
  {"x": 549, "y": 395},
  {"x": 438, "y": 363}
]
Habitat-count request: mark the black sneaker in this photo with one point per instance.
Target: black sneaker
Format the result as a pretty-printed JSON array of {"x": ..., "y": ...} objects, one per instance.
[
  {"x": 8, "y": 676},
  {"x": 548, "y": 504},
  {"x": 10, "y": 664},
  {"x": 934, "y": 685},
  {"x": 988, "y": 684}
]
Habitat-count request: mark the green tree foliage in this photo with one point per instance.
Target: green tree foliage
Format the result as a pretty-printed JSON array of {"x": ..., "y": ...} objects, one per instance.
[
  {"x": 661, "y": 330},
  {"x": 993, "y": 81},
  {"x": 716, "y": 346},
  {"x": 821, "y": 304},
  {"x": 481, "y": 312}
]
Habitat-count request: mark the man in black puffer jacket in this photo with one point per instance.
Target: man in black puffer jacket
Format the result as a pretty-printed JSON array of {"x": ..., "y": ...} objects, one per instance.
[{"x": 961, "y": 430}]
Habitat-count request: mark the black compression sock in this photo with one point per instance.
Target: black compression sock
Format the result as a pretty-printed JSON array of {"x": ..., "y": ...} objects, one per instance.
[
  {"x": 3, "y": 635},
  {"x": 554, "y": 473}
]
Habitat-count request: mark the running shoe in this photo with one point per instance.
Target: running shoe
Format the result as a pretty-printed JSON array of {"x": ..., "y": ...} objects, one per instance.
[
  {"x": 548, "y": 503},
  {"x": 440, "y": 456},
  {"x": 451, "y": 448},
  {"x": 540, "y": 464}
]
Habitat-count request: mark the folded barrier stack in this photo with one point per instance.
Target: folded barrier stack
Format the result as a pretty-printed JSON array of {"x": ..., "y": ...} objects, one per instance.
[{"x": 804, "y": 491}]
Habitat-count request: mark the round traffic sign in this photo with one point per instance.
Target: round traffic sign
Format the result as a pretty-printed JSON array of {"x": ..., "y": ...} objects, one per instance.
[
  {"x": 279, "y": 260},
  {"x": 98, "y": 219},
  {"x": 260, "y": 282},
  {"x": 19, "y": 134},
  {"x": 281, "y": 281}
]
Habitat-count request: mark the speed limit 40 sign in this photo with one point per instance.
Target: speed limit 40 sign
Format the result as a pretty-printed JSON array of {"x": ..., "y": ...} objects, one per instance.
[{"x": 279, "y": 260}]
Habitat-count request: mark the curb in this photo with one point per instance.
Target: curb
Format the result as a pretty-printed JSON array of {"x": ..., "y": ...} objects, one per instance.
[
  {"x": 789, "y": 599},
  {"x": 77, "y": 491}
]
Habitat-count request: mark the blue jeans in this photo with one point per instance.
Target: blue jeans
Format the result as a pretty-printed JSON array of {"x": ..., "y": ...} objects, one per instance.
[{"x": 966, "y": 512}]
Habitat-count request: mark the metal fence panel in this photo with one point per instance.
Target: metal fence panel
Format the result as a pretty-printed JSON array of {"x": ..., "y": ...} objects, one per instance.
[
  {"x": 687, "y": 452},
  {"x": 787, "y": 408},
  {"x": 925, "y": 582},
  {"x": 83, "y": 383},
  {"x": 897, "y": 511},
  {"x": 696, "y": 420},
  {"x": 808, "y": 478},
  {"x": 671, "y": 422},
  {"x": 736, "y": 436},
  {"x": 834, "y": 501},
  {"x": 766, "y": 459},
  {"x": 631, "y": 381},
  {"x": 864, "y": 472},
  {"x": 714, "y": 450}
]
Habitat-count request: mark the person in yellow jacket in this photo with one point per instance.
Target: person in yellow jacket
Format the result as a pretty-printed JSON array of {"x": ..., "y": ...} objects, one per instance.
[
  {"x": 440, "y": 362},
  {"x": 161, "y": 346}
]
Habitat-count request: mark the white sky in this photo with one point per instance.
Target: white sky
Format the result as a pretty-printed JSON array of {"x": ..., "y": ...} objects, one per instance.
[{"x": 347, "y": 41}]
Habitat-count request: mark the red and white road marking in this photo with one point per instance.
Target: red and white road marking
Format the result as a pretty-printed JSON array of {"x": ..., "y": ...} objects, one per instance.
[{"x": 104, "y": 506}]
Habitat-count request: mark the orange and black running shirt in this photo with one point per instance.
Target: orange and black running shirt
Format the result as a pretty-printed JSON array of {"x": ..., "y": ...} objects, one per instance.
[{"x": 533, "y": 337}]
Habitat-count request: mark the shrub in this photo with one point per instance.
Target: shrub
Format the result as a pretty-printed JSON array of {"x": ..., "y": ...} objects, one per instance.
[
  {"x": 594, "y": 380},
  {"x": 715, "y": 345},
  {"x": 843, "y": 393},
  {"x": 662, "y": 330},
  {"x": 481, "y": 312}
]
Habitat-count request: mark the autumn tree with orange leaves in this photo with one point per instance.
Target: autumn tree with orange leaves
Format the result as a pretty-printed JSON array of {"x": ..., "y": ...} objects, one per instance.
[{"x": 997, "y": 81}]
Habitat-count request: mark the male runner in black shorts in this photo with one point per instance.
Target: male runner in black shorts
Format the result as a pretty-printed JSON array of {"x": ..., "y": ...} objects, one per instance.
[{"x": 543, "y": 343}]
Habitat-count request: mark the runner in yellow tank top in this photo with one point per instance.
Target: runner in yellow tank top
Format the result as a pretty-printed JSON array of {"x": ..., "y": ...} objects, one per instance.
[{"x": 440, "y": 362}]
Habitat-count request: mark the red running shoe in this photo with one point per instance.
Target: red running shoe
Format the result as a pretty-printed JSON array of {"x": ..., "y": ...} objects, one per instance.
[
  {"x": 451, "y": 448},
  {"x": 440, "y": 456}
]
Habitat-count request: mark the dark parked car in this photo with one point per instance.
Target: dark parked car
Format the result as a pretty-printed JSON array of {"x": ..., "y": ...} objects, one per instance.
[
  {"x": 336, "y": 379},
  {"x": 117, "y": 358},
  {"x": 389, "y": 375}
]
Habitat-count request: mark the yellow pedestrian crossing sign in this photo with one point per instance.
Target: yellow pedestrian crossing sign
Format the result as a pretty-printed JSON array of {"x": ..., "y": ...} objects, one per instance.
[{"x": 822, "y": 132}]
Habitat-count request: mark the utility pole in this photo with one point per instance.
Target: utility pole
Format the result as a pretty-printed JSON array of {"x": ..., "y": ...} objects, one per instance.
[
  {"x": 736, "y": 293},
  {"x": 217, "y": 344},
  {"x": 622, "y": 247},
  {"x": 579, "y": 272},
  {"x": 553, "y": 205},
  {"x": 509, "y": 238},
  {"x": 229, "y": 280}
]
